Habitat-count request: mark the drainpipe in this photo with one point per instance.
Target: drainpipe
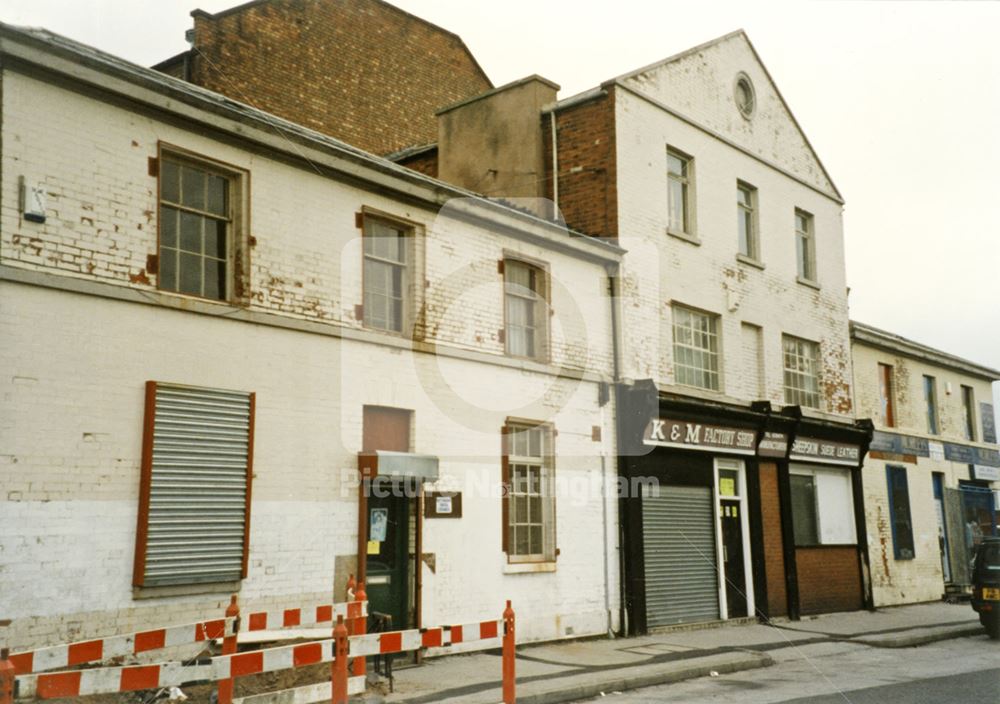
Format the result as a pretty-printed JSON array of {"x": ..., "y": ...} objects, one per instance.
[
  {"x": 555, "y": 167},
  {"x": 614, "y": 290}
]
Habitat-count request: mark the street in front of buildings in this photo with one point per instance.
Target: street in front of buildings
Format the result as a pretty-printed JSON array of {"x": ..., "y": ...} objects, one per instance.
[{"x": 956, "y": 671}]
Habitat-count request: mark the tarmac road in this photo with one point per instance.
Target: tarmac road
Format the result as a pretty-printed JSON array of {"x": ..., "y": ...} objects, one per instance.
[{"x": 959, "y": 671}]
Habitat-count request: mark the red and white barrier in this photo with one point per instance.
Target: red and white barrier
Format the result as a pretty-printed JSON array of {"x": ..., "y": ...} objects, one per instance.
[
  {"x": 28, "y": 670},
  {"x": 309, "y": 616},
  {"x": 97, "y": 650}
]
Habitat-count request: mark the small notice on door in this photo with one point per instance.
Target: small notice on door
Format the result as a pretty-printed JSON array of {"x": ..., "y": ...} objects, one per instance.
[
  {"x": 374, "y": 547},
  {"x": 442, "y": 504},
  {"x": 727, "y": 486},
  {"x": 379, "y": 524}
]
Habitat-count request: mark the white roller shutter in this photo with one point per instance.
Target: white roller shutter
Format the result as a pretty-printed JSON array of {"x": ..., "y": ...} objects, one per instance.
[
  {"x": 678, "y": 533},
  {"x": 197, "y": 486}
]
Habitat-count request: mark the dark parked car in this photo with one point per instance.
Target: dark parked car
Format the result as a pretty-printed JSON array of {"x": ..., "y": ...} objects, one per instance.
[{"x": 986, "y": 586}]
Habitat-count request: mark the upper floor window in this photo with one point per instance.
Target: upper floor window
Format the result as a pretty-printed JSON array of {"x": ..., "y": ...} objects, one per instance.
[
  {"x": 801, "y": 360},
  {"x": 969, "y": 412},
  {"x": 196, "y": 228},
  {"x": 679, "y": 168},
  {"x": 746, "y": 214},
  {"x": 525, "y": 310},
  {"x": 805, "y": 245},
  {"x": 696, "y": 348},
  {"x": 386, "y": 274},
  {"x": 529, "y": 499},
  {"x": 886, "y": 395},
  {"x": 930, "y": 403}
]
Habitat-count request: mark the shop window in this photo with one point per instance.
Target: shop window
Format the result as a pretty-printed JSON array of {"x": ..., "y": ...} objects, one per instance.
[
  {"x": 194, "y": 501},
  {"x": 822, "y": 506},
  {"x": 529, "y": 493},
  {"x": 899, "y": 512},
  {"x": 801, "y": 374},
  {"x": 525, "y": 310},
  {"x": 197, "y": 227},
  {"x": 696, "y": 348},
  {"x": 805, "y": 521}
]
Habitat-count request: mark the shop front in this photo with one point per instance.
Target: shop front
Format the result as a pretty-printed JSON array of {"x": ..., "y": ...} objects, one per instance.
[{"x": 737, "y": 516}]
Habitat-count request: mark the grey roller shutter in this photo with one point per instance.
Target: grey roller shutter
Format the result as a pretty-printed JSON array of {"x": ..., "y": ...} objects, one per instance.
[
  {"x": 197, "y": 517},
  {"x": 678, "y": 527}
]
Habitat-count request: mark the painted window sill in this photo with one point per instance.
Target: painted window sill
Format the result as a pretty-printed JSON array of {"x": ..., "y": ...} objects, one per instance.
[
  {"x": 185, "y": 590},
  {"x": 529, "y": 567},
  {"x": 808, "y": 282},
  {"x": 690, "y": 239},
  {"x": 750, "y": 261}
]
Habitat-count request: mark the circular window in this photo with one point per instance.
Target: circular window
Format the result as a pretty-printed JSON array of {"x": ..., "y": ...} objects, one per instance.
[{"x": 743, "y": 92}]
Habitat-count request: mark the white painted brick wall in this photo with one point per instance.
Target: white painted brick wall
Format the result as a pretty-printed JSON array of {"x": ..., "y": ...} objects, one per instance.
[
  {"x": 661, "y": 269},
  {"x": 75, "y": 365}
]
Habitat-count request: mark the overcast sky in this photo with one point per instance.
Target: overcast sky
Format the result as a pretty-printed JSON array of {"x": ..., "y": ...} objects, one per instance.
[{"x": 901, "y": 101}]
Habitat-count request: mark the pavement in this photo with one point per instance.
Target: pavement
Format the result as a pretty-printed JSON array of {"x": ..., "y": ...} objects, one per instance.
[{"x": 565, "y": 671}]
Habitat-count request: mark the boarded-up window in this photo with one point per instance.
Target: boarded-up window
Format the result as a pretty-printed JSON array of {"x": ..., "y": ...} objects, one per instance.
[
  {"x": 194, "y": 510},
  {"x": 386, "y": 428},
  {"x": 899, "y": 511}
]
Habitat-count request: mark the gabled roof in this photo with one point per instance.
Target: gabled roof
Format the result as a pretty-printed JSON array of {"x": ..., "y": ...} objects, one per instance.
[
  {"x": 625, "y": 77},
  {"x": 892, "y": 342}
]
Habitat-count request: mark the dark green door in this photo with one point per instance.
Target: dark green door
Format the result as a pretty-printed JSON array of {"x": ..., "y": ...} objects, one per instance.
[{"x": 388, "y": 559}]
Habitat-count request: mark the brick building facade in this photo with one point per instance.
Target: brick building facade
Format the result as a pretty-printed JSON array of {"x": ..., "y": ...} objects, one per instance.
[
  {"x": 736, "y": 390},
  {"x": 177, "y": 266},
  {"x": 933, "y": 474},
  {"x": 362, "y": 71}
]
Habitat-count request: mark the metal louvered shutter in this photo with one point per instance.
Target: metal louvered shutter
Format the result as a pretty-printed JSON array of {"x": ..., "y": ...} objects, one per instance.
[
  {"x": 198, "y": 486},
  {"x": 678, "y": 527}
]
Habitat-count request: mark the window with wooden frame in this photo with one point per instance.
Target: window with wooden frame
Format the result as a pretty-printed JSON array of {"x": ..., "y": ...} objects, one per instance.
[
  {"x": 899, "y": 512},
  {"x": 805, "y": 245},
  {"x": 526, "y": 309},
  {"x": 529, "y": 507},
  {"x": 746, "y": 220},
  {"x": 801, "y": 374},
  {"x": 194, "y": 500},
  {"x": 388, "y": 262},
  {"x": 198, "y": 226},
  {"x": 679, "y": 191},
  {"x": 887, "y": 395},
  {"x": 696, "y": 348}
]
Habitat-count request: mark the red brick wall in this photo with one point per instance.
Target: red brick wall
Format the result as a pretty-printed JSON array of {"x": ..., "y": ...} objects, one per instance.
[
  {"x": 425, "y": 162},
  {"x": 362, "y": 71},
  {"x": 585, "y": 136},
  {"x": 829, "y": 579},
  {"x": 774, "y": 556}
]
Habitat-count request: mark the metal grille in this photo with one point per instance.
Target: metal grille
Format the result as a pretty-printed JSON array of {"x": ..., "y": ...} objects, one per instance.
[
  {"x": 678, "y": 529},
  {"x": 198, "y": 488}
]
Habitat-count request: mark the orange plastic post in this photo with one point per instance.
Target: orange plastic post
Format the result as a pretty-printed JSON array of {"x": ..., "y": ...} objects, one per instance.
[
  {"x": 509, "y": 697},
  {"x": 350, "y": 587},
  {"x": 338, "y": 668},
  {"x": 229, "y": 648},
  {"x": 358, "y": 665},
  {"x": 6, "y": 678}
]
